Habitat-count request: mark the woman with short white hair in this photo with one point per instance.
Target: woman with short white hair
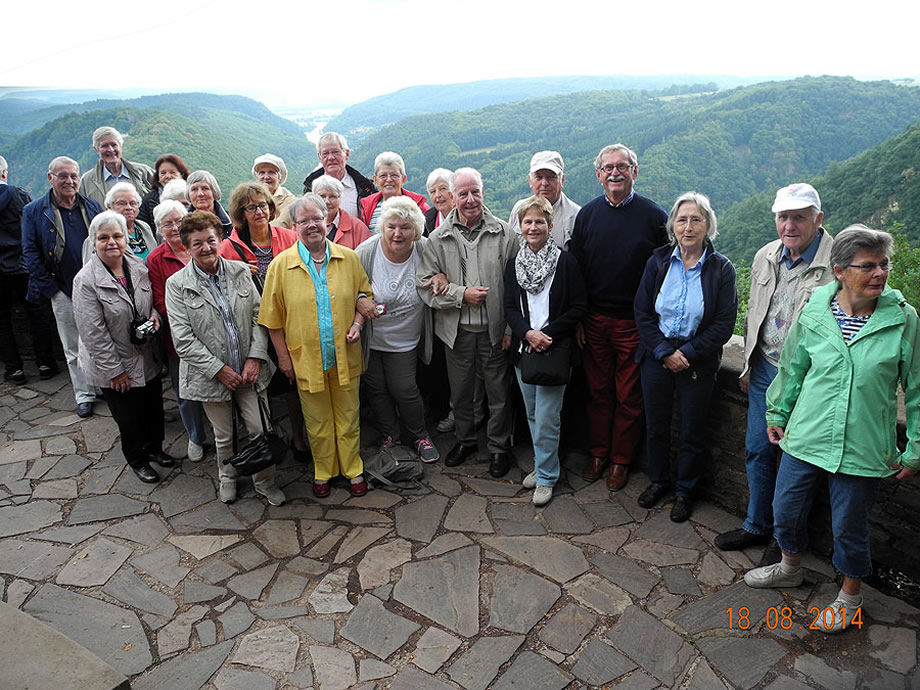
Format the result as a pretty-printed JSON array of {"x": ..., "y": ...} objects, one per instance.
[
  {"x": 204, "y": 195},
  {"x": 124, "y": 199},
  {"x": 342, "y": 227},
  {"x": 442, "y": 200},
  {"x": 389, "y": 177}
]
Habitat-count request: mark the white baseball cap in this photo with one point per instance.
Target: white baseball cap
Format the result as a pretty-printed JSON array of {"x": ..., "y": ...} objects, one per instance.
[{"x": 796, "y": 196}]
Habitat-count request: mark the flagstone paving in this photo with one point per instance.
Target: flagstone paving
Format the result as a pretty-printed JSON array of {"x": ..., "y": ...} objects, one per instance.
[{"x": 460, "y": 584}]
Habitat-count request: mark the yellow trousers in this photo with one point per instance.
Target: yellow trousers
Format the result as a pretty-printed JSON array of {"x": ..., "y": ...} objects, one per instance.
[{"x": 333, "y": 427}]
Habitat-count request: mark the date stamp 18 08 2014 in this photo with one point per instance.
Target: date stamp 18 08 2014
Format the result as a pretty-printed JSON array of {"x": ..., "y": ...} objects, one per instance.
[{"x": 739, "y": 618}]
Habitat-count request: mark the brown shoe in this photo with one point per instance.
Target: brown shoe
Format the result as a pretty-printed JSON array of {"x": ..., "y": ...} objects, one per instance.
[
  {"x": 594, "y": 469},
  {"x": 617, "y": 478}
]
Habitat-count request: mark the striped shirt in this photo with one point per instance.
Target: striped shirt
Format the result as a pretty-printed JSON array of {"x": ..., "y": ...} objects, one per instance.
[{"x": 849, "y": 325}]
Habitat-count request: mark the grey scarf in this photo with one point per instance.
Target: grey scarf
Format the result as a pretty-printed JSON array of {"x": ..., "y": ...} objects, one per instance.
[{"x": 533, "y": 270}]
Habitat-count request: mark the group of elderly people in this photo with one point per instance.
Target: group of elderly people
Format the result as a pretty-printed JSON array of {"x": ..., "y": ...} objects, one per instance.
[{"x": 351, "y": 285}]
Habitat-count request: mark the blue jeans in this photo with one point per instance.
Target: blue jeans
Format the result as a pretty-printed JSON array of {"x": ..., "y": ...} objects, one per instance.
[
  {"x": 190, "y": 411},
  {"x": 851, "y": 500},
  {"x": 544, "y": 417},
  {"x": 761, "y": 454}
]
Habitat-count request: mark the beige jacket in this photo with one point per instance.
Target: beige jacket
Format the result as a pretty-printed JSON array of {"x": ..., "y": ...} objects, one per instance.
[
  {"x": 103, "y": 313},
  {"x": 283, "y": 198},
  {"x": 763, "y": 283},
  {"x": 92, "y": 183}
]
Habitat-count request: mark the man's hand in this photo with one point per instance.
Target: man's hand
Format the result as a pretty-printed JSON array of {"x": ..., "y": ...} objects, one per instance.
[
  {"x": 775, "y": 434},
  {"x": 475, "y": 295},
  {"x": 229, "y": 378},
  {"x": 506, "y": 342},
  {"x": 366, "y": 307},
  {"x": 251, "y": 370}
]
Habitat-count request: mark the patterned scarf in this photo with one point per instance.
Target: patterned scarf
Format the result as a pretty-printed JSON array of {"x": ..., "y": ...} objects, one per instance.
[{"x": 533, "y": 270}]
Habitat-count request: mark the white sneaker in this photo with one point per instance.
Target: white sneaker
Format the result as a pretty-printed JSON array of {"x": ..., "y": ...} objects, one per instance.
[
  {"x": 195, "y": 452},
  {"x": 772, "y": 576},
  {"x": 831, "y": 618},
  {"x": 227, "y": 491},
  {"x": 542, "y": 495},
  {"x": 530, "y": 481},
  {"x": 273, "y": 494}
]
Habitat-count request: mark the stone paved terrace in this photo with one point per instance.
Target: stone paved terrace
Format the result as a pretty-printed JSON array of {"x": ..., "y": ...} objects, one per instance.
[{"x": 463, "y": 586}]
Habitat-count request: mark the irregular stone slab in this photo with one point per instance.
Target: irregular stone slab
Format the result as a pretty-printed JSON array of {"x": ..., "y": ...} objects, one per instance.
[
  {"x": 185, "y": 671},
  {"x": 468, "y": 514},
  {"x": 31, "y": 561},
  {"x": 564, "y": 516},
  {"x": 714, "y": 572},
  {"x": 288, "y": 586},
  {"x": 443, "y": 544},
  {"x": 330, "y": 539},
  {"x": 302, "y": 678},
  {"x": 60, "y": 489},
  {"x": 609, "y": 539},
  {"x": 30, "y": 517},
  {"x": 600, "y": 663},
  {"x": 248, "y": 556},
  {"x": 444, "y": 589},
  {"x": 203, "y": 546},
  {"x": 68, "y": 466},
  {"x": 358, "y": 539},
  {"x": 183, "y": 493},
  {"x": 681, "y": 581},
  {"x": 318, "y": 629},
  {"x": 704, "y": 678},
  {"x": 17, "y": 592},
  {"x": 379, "y": 499},
  {"x": 307, "y": 566},
  {"x": 21, "y": 488},
  {"x": 163, "y": 564},
  {"x": 216, "y": 571},
  {"x": 372, "y": 627},
  {"x": 105, "y": 507},
  {"x": 62, "y": 445},
  {"x": 331, "y": 594},
  {"x": 100, "y": 480},
  {"x": 568, "y": 628},
  {"x": 896, "y": 648},
  {"x": 236, "y": 619},
  {"x": 476, "y": 669},
  {"x": 374, "y": 569},
  {"x": 371, "y": 669},
  {"x": 550, "y": 556},
  {"x": 817, "y": 670},
  {"x": 655, "y": 648},
  {"x": 66, "y": 420},
  {"x": 175, "y": 635},
  {"x": 275, "y": 613},
  {"x": 113, "y": 634},
  {"x": 659, "y": 528},
  {"x": 599, "y": 594},
  {"x": 334, "y": 669},
  {"x": 420, "y": 519},
  {"x": 273, "y": 648},
  {"x": 311, "y": 530},
  {"x": 744, "y": 661},
  {"x": 516, "y": 519},
  {"x": 531, "y": 670},
  {"x": 196, "y": 592},
  {"x": 250, "y": 510},
  {"x": 279, "y": 537},
  {"x": 708, "y": 613},
  {"x": 68, "y": 535},
  {"x": 94, "y": 564},
  {"x": 519, "y": 599},
  {"x": 626, "y": 573},
  {"x": 213, "y": 515},
  {"x": 782, "y": 682},
  {"x": 443, "y": 484},
  {"x": 37, "y": 471},
  {"x": 487, "y": 487},
  {"x": 16, "y": 451},
  {"x": 607, "y": 514},
  {"x": 250, "y": 585},
  {"x": 410, "y": 678},
  {"x": 887, "y": 609},
  {"x": 231, "y": 678},
  {"x": 99, "y": 434},
  {"x": 660, "y": 554},
  {"x": 356, "y": 516},
  {"x": 433, "y": 648},
  {"x": 129, "y": 589}
]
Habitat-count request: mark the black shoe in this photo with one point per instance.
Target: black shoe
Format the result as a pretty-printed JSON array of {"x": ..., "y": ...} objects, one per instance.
[
  {"x": 500, "y": 464},
  {"x": 15, "y": 376},
  {"x": 162, "y": 459},
  {"x": 654, "y": 493},
  {"x": 682, "y": 508},
  {"x": 47, "y": 371},
  {"x": 738, "y": 539},
  {"x": 146, "y": 474},
  {"x": 459, "y": 453},
  {"x": 771, "y": 554},
  {"x": 84, "y": 410}
]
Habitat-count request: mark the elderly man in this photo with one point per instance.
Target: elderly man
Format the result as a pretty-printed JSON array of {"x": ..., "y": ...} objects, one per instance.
[
  {"x": 271, "y": 171},
  {"x": 614, "y": 236},
  {"x": 460, "y": 276},
  {"x": 14, "y": 281},
  {"x": 111, "y": 168},
  {"x": 547, "y": 175},
  {"x": 53, "y": 230},
  {"x": 333, "y": 152},
  {"x": 784, "y": 275}
]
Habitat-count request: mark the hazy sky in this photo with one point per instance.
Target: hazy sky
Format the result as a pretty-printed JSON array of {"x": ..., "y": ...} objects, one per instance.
[{"x": 310, "y": 54}]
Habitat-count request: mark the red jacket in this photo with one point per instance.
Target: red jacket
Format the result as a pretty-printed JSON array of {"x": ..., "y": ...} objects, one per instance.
[
  {"x": 369, "y": 203},
  {"x": 282, "y": 238},
  {"x": 162, "y": 262},
  {"x": 351, "y": 231}
]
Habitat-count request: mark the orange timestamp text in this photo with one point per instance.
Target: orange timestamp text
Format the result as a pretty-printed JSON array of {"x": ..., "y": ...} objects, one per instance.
[{"x": 781, "y": 617}]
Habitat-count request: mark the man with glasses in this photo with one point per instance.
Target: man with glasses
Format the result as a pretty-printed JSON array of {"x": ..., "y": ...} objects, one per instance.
[
  {"x": 333, "y": 152},
  {"x": 784, "y": 275},
  {"x": 613, "y": 238},
  {"x": 54, "y": 228}
]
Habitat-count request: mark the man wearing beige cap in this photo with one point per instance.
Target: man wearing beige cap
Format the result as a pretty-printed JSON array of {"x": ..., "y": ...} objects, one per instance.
[
  {"x": 271, "y": 171},
  {"x": 547, "y": 175},
  {"x": 784, "y": 275}
]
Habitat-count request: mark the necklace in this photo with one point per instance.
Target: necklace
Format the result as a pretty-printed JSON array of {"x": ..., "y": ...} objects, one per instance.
[{"x": 319, "y": 261}]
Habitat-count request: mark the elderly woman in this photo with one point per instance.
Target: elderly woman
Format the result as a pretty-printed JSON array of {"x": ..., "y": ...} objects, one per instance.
[
  {"x": 167, "y": 167},
  {"x": 124, "y": 199},
  {"x": 310, "y": 294},
  {"x": 544, "y": 301},
  {"x": 343, "y": 228},
  {"x": 167, "y": 259},
  {"x": 175, "y": 190},
  {"x": 442, "y": 201},
  {"x": 111, "y": 168},
  {"x": 204, "y": 195},
  {"x": 832, "y": 408},
  {"x": 685, "y": 312},
  {"x": 213, "y": 307},
  {"x": 389, "y": 177},
  {"x": 402, "y": 334},
  {"x": 116, "y": 320},
  {"x": 271, "y": 171}
]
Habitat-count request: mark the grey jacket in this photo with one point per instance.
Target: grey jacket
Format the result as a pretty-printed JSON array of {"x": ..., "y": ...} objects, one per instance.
[
  {"x": 198, "y": 330},
  {"x": 442, "y": 255},
  {"x": 102, "y": 310},
  {"x": 92, "y": 183},
  {"x": 366, "y": 252}
]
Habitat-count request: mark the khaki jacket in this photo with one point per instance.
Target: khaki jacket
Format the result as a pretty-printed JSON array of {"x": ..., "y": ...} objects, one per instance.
[
  {"x": 198, "y": 330},
  {"x": 283, "y": 198},
  {"x": 763, "y": 284},
  {"x": 92, "y": 183}
]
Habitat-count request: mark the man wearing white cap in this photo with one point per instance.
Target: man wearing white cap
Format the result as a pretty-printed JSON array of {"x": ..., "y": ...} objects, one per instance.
[
  {"x": 784, "y": 275},
  {"x": 547, "y": 175},
  {"x": 271, "y": 171}
]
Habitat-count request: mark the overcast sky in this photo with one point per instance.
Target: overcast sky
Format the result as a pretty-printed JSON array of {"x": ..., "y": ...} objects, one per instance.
[{"x": 310, "y": 54}]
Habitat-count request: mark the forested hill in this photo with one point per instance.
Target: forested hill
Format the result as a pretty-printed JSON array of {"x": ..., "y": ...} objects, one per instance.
[{"x": 728, "y": 145}]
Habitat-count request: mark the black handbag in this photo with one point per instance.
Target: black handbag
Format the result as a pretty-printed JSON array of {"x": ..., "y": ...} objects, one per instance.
[
  {"x": 267, "y": 449},
  {"x": 551, "y": 367}
]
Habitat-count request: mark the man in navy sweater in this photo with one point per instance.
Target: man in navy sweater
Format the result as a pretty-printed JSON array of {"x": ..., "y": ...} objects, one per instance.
[{"x": 614, "y": 236}]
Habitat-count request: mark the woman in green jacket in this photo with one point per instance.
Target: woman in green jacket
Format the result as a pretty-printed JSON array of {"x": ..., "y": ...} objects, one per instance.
[{"x": 833, "y": 410}]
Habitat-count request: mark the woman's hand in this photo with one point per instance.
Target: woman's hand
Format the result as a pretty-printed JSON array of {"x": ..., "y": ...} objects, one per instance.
[
  {"x": 254, "y": 266},
  {"x": 156, "y": 320},
  {"x": 905, "y": 473},
  {"x": 229, "y": 378},
  {"x": 675, "y": 362},
  {"x": 437, "y": 284},
  {"x": 775, "y": 434},
  {"x": 121, "y": 383},
  {"x": 743, "y": 382},
  {"x": 354, "y": 333},
  {"x": 538, "y": 340},
  {"x": 367, "y": 308},
  {"x": 251, "y": 370},
  {"x": 580, "y": 335}
]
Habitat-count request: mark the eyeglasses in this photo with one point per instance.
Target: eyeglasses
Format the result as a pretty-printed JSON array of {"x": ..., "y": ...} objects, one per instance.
[
  {"x": 696, "y": 221},
  {"x": 252, "y": 208},
  {"x": 65, "y": 176},
  {"x": 389, "y": 176},
  {"x": 331, "y": 154},
  {"x": 870, "y": 268},
  {"x": 170, "y": 224},
  {"x": 122, "y": 204},
  {"x": 619, "y": 167},
  {"x": 316, "y": 220}
]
